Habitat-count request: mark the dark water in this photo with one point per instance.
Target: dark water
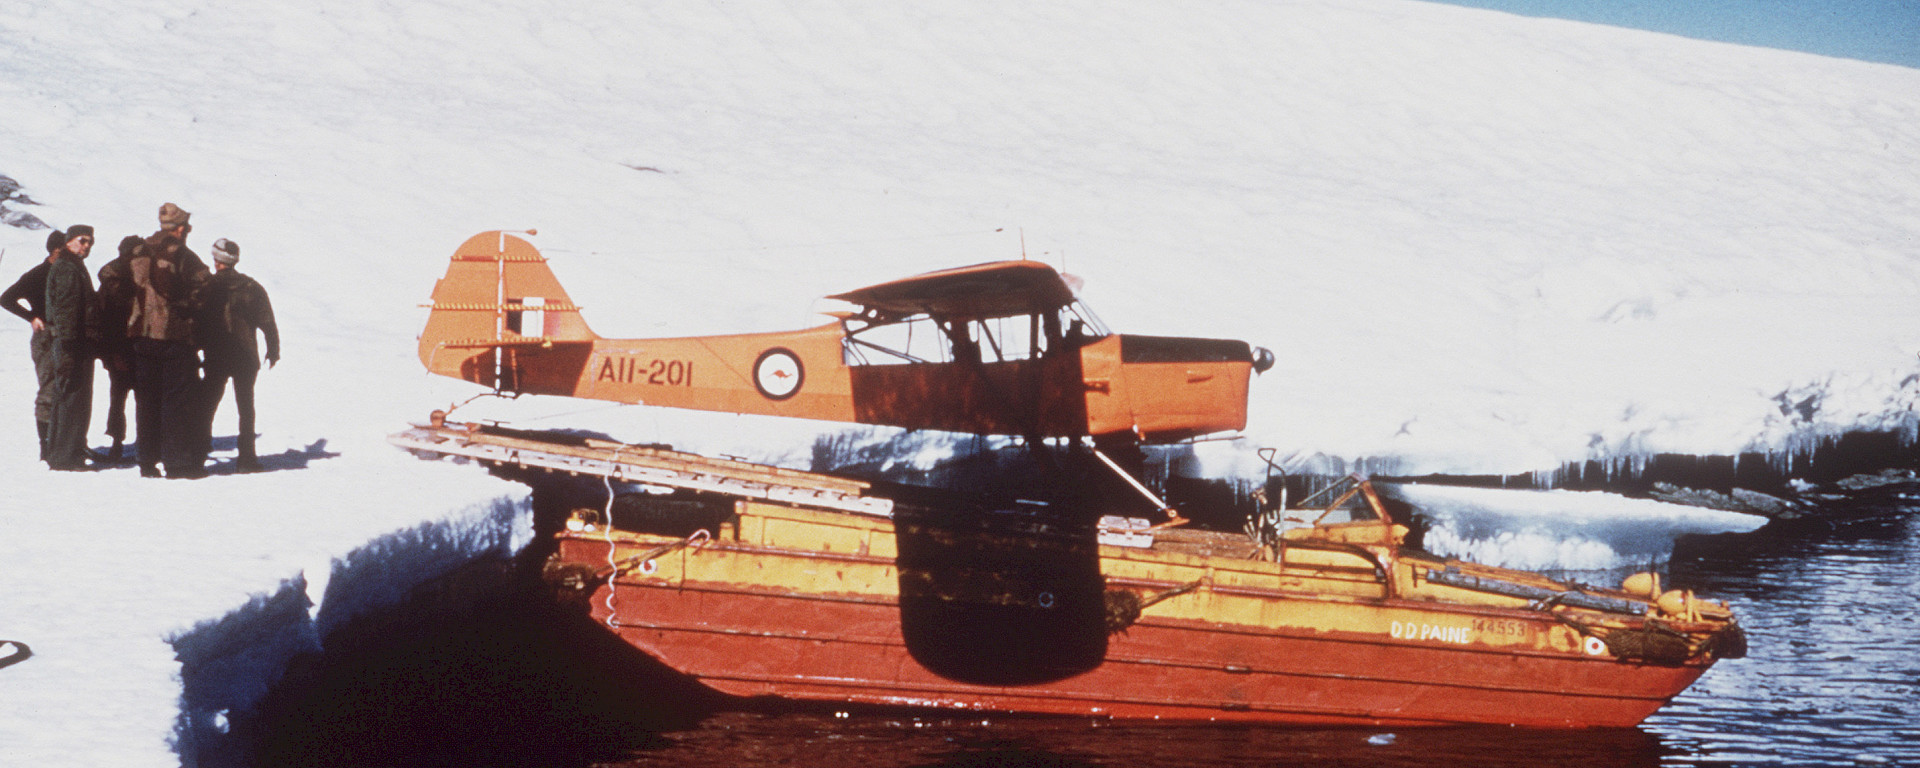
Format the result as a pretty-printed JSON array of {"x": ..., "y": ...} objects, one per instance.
[{"x": 1833, "y": 678}]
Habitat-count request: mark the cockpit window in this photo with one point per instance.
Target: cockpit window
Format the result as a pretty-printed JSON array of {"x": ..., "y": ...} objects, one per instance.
[{"x": 875, "y": 340}]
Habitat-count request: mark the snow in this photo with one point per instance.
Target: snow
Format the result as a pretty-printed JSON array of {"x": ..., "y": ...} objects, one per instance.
[
  {"x": 1558, "y": 529},
  {"x": 1479, "y": 242}
]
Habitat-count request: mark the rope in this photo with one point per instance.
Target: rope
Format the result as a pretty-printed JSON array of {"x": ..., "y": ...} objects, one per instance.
[
  {"x": 615, "y": 567},
  {"x": 1123, "y": 606},
  {"x": 606, "y": 529},
  {"x": 597, "y": 409},
  {"x": 640, "y": 561}
]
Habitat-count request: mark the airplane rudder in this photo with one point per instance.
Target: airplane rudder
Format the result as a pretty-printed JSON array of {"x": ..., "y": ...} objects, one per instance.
[
  {"x": 544, "y": 307},
  {"x": 535, "y": 301}
]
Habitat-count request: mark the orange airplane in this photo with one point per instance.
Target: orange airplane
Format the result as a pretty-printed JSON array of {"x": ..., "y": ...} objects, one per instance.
[{"x": 1002, "y": 348}]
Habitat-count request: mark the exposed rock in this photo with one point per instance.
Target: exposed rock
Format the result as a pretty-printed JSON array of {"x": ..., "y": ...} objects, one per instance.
[
  {"x": 1772, "y": 507},
  {"x": 20, "y": 219},
  {"x": 1740, "y": 500},
  {"x": 1695, "y": 497},
  {"x": 10, "y": 194},
  {"x": 1884, "y": 477}
]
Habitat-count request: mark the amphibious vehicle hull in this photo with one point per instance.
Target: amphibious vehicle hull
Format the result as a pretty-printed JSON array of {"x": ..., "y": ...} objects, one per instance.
[
  {"x": 824, "y": 606},
  {"x": 761, "y": 581}
]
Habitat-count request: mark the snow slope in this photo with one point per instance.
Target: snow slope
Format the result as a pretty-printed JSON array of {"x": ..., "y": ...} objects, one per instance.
[{"x": 1479, "y": 242}]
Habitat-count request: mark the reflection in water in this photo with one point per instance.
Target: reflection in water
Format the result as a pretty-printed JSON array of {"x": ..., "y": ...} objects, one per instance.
[{"x": 869, "y": 741}]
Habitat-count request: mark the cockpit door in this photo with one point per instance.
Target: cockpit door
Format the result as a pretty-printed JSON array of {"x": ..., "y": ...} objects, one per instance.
[{"x": 1108, "y": 409}]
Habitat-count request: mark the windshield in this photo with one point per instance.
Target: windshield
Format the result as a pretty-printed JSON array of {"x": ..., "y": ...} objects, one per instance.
[{"x": 873, "y": 340}]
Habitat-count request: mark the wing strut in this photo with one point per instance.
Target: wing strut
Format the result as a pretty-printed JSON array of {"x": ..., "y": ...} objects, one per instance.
[{"x": 1173, "y": 516}]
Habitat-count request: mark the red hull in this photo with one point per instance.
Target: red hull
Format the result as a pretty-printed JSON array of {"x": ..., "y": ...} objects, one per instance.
[
  {"x": 762, "y": 581},
  {"x": 852, "y": 650}
]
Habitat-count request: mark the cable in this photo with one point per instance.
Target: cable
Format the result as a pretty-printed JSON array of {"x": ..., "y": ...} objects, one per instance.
[{"x": 606, "y": 532}]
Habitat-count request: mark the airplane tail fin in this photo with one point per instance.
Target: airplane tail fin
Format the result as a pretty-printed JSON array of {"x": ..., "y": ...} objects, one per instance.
[{"x": 498, "y": 303}]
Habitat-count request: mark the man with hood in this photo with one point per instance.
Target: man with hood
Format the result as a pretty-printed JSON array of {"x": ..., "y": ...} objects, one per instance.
[
  {"x": 165, "y": 278},
  {"x": 233, "y": 309},
  {"x": 69, "y": 297},
  {"x": 32, "y": 288}
]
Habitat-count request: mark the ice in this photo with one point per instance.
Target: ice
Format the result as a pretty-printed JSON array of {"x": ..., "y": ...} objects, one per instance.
[
  {"x": 1557, "y": 530},
  {"x": 228, "y": 663}
]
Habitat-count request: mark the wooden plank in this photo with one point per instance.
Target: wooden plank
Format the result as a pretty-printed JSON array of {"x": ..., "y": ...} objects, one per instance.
[{"x": 645, "y": 464}]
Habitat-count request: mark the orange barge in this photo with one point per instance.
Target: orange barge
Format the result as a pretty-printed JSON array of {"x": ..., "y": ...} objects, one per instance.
[{"x": 758, "y": 581}]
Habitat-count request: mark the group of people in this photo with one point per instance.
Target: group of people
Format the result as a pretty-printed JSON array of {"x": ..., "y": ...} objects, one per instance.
[{"x": 165, "y": 327}]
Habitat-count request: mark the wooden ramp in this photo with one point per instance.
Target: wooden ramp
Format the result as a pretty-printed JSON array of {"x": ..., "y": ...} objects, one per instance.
[{"x": 655, "y": 465}]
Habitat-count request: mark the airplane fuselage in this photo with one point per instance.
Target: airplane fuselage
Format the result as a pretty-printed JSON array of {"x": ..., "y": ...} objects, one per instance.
[{"x": 501, "y": 319}]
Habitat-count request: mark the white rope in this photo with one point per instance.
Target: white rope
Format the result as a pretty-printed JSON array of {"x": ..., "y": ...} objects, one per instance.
[{"x": 606, "y": 528}]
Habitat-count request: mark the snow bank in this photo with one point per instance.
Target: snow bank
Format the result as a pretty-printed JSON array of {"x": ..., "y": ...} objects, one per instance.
[
  {"x": 152, "y": 606},
  {"x": 1480, "y": 243}
]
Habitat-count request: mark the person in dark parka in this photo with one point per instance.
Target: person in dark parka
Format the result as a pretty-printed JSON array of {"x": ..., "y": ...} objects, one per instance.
[
  {"x": 32, "y": 288},
  {"x": 166, "y": 370},
  {"x": 112, "y": 303},
  {"x": 69, "y": 298},
  {"x": 233, "y": 308}
]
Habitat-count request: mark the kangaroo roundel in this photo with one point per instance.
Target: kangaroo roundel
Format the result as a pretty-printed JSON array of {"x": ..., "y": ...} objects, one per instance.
[{"x": 777, "y": 374}]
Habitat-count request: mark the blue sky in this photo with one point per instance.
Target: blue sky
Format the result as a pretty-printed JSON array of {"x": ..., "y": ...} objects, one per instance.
[{"x": 1886, "y": 31}]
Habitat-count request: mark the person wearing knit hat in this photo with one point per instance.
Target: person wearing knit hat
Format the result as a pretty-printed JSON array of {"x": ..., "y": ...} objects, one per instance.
[
  {"x": 164, "y": 277},
  {"x": 234, "y": 308},
  {"x": 179, "y": 223},
  {"x": 79, "y": 241},
  {"x": 69, "y": 299},
  {"x": 32, "y": 288},
  {"x": 172, "y": 216},
  {"x": 115, "y": 350}
]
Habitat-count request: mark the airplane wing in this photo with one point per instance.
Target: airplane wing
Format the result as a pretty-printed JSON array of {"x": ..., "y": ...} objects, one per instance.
[{"x": 994, "y": 289}]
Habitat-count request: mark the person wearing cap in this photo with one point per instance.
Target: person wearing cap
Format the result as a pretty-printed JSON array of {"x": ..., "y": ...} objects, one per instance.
[
  {"x": 112, "y": 303},
  {"x": 32, "y": 288},
  {"x": 233, "y": 309},
  {"x": 69, "y": 297},
  {"x": 165, "y": 277}
]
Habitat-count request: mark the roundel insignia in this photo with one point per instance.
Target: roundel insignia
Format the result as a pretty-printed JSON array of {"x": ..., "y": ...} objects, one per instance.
[{"x": 778, "y": 374}]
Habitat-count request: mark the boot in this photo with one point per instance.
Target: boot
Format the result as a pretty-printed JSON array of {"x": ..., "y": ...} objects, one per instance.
[
  {"x": 43, "y": 439},
  {"x": 249, "y": 461}
]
